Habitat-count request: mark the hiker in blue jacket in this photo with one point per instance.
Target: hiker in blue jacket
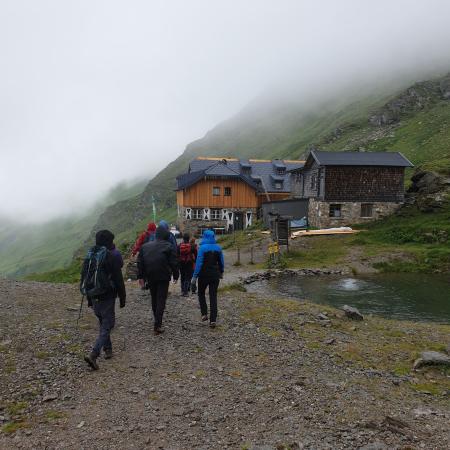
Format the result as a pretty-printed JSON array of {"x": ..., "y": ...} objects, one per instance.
[{"x": 209, "y": 270}]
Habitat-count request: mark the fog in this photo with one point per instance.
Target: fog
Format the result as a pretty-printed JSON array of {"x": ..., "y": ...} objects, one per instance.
[{"x": 95, "y": 92}]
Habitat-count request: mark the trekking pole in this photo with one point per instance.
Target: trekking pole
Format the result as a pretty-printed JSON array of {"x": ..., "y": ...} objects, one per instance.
[{"x": 81, "y": 308}]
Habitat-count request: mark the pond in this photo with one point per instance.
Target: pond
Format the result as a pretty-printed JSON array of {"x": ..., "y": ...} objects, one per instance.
[{"x": 418, "y": 297}]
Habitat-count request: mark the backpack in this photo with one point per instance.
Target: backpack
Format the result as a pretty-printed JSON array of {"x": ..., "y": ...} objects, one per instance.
[
  {"x": 95, "y": 281},
  {"x": 150, "y": 237},
  {"x": 185, "y": 252}
]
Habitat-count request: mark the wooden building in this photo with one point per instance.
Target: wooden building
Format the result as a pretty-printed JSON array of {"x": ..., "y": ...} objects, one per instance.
[
  {"x": 227, "y": 193},
  {"x": 345, "y": 188}
]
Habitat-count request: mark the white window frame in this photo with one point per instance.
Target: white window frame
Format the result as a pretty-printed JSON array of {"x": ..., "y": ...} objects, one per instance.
[
  {"x": 216, "y": 214},
  {"x": 216, "y": 191},
  {"x": 197, "y": 214},
  {"x": 337, "y": 207}
]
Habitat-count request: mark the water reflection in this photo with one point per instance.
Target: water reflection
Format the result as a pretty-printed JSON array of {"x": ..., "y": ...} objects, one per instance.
[{"x": 403, "y": 296}]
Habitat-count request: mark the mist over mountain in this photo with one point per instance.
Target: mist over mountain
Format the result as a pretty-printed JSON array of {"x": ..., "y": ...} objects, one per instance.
[
  {"x": 92, "y": 93},
  {"x": 40, "y": 247}
]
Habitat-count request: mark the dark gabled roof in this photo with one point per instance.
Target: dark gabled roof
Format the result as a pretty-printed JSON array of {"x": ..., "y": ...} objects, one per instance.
[
  {"x": 188, "y": 179},
  {"x": 216, "y": 169},
  {"x": 261, "y": 171},
  {"x": 392, "y": 159}
]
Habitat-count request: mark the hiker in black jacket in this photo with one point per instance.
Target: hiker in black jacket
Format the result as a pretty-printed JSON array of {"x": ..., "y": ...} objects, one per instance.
[
  {"x": 104, "y": 304},
  {"x": 157, "y": 264}
]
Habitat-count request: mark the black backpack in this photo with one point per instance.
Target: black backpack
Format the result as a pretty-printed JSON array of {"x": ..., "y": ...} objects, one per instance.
[{"x": 95, "y": 281}]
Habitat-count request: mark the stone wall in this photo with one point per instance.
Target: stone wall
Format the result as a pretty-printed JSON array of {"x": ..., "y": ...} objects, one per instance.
[{"x": 319, "y": 213}]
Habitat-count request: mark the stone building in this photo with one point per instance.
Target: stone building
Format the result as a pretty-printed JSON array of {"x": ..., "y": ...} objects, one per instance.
[
  {"x": 227, "y": 193},
  {"x": 346, "y": 188}
]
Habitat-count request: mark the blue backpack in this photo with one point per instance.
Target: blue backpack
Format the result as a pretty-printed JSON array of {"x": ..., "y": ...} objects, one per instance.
[{"x": 95, "y": 281}]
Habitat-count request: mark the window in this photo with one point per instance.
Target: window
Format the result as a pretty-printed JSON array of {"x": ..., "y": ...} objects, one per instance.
[
  {"x": 281, "y": 170},
  {"x": 227, "y": 192},
  {"x": 216, "y": 191},
  {"x": 366, "y": 209},
  {"x": 216, "y": 214},
  {"x": 278, "y": 184},
  {"x": 197, "y": 213},
  {"x": 313, "y": 182},
  {"x": 335, "y": 211}
]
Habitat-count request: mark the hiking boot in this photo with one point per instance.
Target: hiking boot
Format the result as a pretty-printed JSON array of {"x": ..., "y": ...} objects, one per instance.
[
  {"x": 91, "y": 359},
  {"x": 212, "y": 325},
  {"x": 158, "y": 330},
  {"x": 108, "y": 353},
  {"x": 204, "y": 318}
]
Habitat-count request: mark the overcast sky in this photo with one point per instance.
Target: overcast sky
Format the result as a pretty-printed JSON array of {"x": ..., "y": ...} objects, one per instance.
[{"x": 94, "y": 92}]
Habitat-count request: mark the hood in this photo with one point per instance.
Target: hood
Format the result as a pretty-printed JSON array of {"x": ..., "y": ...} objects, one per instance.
[
  {"x": 151, "y": 227},
  {"x": 162, "y": 234},
  {"x": 164, "y": 224},
  {"x": 104, "y": 238},
  {"x": 208, "y": 237}
]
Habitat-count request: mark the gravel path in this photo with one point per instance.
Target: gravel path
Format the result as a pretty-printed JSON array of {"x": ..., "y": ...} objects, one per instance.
[{"x": 242, "y": 385}]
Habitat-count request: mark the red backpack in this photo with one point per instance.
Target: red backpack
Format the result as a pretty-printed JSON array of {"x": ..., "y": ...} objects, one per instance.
[{"x": 185, "y": 252}]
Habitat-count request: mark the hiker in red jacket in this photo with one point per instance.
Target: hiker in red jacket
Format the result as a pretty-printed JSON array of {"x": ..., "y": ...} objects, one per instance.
[
  {"x": 186, "y": 258},
  {"x": 146, "y": 236}
]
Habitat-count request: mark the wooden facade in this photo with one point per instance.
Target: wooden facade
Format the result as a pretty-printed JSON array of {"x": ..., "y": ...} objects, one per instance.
[
  {"x": 201, "y": 194},
  {"x": 349, "y": 183},
  {"x": 364, "y": 184},
  {"x": 242, "y": 195}
]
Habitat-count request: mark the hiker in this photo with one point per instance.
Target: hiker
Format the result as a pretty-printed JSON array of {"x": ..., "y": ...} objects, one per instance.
[
  {"x": 171, "y": 237},
  {"x": 209, "y": 270},
  {"x": 186, "y": 258},
  {"x": 157, "y": 264},
  {"x": 146, "y": 236},
  {"x": 102, "y": 282}
]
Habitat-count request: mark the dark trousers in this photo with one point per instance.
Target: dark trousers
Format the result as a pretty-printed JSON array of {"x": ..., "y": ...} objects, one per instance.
[
  {"x": 158, "y": 291},
  {"x": 106, "y": 315},
  {"x": 186, "y": 272},
  {"x": 213, "y": 285}
]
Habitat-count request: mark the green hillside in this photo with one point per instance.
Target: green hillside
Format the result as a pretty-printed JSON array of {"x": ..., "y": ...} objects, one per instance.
[
  {"x": 35, "y": 248},
  {"x": 413, "y": 120}
]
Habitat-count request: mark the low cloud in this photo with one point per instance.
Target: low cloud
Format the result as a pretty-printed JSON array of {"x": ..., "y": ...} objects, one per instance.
[{"x": 94, "y": 92}]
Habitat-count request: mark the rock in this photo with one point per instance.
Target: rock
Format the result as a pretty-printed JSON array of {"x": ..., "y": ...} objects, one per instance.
[
  {"x": 352, "y": 313},
  {"x": 322, "y": 316},
  {"x": 420, "y": 412},
  {"x": 377, "y": 445},
  {"x": 81, "y": 424},
  {"x": 448, "y": 349},
  {"x": 50, "y": 397},
  {"x": 432, "y": 358},
  {"x": 330, "y": 341}
]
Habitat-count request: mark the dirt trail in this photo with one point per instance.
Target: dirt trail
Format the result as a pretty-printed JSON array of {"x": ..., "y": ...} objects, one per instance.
[{"x": 239, "y": 386}]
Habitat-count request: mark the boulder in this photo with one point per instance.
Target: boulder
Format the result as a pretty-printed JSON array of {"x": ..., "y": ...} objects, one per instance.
[
  {"x": 352, "y": 313},
  {"x": 431, "y": 358}
]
